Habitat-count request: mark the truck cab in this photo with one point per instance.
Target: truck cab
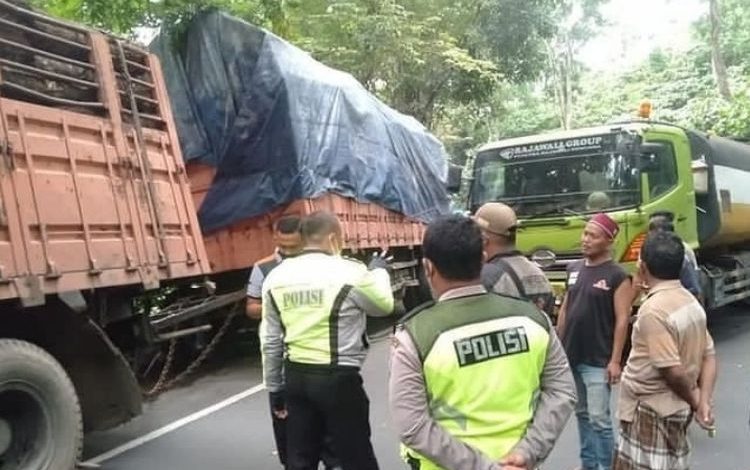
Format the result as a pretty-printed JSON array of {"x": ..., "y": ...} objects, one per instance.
[{"x": 631, "y": 170}]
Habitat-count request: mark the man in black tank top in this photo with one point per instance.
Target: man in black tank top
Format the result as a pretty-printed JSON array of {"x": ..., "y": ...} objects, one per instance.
[{"x": 593, "y": 325}]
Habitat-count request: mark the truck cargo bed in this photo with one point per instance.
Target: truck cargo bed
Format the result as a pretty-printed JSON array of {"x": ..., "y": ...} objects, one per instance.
[
  {"x": 366, "y": 226},
  {"x": 93, "y": 190}
]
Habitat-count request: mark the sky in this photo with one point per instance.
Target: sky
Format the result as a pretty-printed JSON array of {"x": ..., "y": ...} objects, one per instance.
[{"x": 637, "y": 28}]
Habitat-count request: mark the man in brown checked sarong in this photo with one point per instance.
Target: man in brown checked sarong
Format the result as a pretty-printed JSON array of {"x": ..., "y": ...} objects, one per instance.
[{"x": 671, "y": 372}]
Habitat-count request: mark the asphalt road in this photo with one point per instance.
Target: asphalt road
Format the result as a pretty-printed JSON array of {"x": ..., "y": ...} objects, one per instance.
[{"x": 220, "y": 422}]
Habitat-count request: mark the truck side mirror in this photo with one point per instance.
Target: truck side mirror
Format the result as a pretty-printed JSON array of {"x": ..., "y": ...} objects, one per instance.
[
  {"x": 455, "y": 174},
  {"x": 700, "y": 176}
]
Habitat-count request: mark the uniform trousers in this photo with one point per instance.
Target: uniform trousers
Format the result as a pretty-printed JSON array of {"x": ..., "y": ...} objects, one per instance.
[{"x": 327, "y": 401}]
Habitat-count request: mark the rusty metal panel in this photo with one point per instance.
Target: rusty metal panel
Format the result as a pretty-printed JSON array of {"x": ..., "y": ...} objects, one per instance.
[{"x": 93, "y": 193}]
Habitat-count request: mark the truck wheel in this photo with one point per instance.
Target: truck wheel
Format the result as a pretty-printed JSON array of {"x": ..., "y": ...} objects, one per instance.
[{"x": 40, "y": 417}]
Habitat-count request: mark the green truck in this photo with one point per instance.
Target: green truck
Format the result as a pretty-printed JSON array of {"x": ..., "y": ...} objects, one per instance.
[{"x": 630, "y": 170}]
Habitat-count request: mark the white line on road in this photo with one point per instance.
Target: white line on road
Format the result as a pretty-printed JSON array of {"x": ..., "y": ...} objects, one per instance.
[{"x": 174, "y": 426}]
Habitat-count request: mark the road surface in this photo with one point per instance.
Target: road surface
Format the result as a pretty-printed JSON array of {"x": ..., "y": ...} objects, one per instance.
[{"x": 221, "y": 422}]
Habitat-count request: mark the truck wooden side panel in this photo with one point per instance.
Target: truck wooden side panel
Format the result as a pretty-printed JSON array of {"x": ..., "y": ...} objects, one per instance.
[
  {"x": 366, "y": 226},
  {"x": 93, "y": 193}
]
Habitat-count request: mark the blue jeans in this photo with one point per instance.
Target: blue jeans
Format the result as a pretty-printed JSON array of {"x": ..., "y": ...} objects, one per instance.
[{"x": 594, "y": 417}]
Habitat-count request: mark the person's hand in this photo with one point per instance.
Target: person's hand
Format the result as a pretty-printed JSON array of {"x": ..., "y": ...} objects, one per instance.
[
  {"x": 614, "y": 371},
  {"x": 514, "y": 461},
  {"x": 704, "y": 416},
  {"x": 696, "y": 394},
  {"x": 278, "y": 404},
  {"x": 380, "y": 260}
]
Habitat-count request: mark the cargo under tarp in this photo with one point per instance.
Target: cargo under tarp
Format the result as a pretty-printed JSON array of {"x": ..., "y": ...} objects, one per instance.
[{"x": 278, "y": 126}]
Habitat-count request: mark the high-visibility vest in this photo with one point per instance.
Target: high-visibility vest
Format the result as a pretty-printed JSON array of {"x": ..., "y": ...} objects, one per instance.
[
  {"x": 482, "y": 358},
  {"x": 310, "y": 292}
]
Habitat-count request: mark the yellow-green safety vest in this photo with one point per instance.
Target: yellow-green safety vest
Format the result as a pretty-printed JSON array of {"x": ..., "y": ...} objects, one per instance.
[
  {"x": 319, "y": 299},
  {"x": 482, "y": 358}
]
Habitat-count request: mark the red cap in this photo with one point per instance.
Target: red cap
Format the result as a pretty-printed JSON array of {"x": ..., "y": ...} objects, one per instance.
[{"x": 605, "y": 222}]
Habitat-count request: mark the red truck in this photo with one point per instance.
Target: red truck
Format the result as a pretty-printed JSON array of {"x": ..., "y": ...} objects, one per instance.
[{"x": 97, "y": 214}]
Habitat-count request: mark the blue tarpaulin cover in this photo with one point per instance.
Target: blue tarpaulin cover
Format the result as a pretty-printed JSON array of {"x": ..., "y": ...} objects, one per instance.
[{"x": 278, "y": 126}]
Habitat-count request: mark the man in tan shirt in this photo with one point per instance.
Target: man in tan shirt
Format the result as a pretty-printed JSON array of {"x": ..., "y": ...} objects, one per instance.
[{"x": 671, "y": 371}]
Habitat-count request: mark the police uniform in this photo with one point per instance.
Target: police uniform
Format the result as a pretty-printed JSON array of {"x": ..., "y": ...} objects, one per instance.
[
  {"x": 258, "y": 275},
  {"x": 314, "y": 313},
  {"x": 260, "y": 272},
  {"x": 476, "y": 376}
]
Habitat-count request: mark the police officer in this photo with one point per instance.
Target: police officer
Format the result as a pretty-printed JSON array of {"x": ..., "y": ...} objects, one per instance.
[
  {"x": 467, "y": 370},
  {"x": 288, "y": 240},
  {"x": 314, "y": 308},
  {"x": 507, "y": 270}
]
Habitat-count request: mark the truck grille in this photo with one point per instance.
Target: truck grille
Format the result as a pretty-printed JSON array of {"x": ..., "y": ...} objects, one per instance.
[{"x": 562, "y": 261}]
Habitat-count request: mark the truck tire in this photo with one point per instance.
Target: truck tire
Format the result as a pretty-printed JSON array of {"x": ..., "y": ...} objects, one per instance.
[{"x": 40, "y": 417}]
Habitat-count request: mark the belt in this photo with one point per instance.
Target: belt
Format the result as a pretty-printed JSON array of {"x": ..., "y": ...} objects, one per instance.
[{"x": 319, "y": 368}]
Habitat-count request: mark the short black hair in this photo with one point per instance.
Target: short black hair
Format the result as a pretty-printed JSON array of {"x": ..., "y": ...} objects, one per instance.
[
  {"x": 454, "y": 245},
  {"x": 663, "y": 253},
  {"x": 660, "y": 223},
  {"x": 288, "y": 225},
  {"x": 318, "y": 225}
]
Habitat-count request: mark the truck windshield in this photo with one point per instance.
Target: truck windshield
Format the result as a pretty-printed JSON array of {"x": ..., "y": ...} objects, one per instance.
[{"x": 563, "y": 184}]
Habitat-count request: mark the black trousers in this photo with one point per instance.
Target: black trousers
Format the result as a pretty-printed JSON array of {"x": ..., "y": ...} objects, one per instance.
[
  {"x": 327, "y": 401},
  {"x": 279, "y": 433}
]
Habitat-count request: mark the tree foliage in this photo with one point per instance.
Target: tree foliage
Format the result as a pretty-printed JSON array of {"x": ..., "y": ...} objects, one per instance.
[
  {"x": 479, "y": 70},
  {"x": 682, "y": 85},
  {"x": 423, "y": 57},
  {"x": 580, "y": 20},
  {"x": 411, "y": 60}
]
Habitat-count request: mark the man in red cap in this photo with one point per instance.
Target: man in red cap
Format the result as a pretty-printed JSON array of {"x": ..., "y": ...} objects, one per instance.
[{"x": 593, "y": 325}]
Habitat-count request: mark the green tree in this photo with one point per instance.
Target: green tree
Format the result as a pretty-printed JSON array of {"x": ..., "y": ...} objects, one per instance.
[
  {"x": 125, "y": 16},
  {"x": 513, "y": 110},
  {"x": 579, "y": 22},
  {"x": 425, "y": 56},
  {"x": 411, "y": 61},
  {"x": 717, "y": 56},
  {"x": 421, "y": 56}
]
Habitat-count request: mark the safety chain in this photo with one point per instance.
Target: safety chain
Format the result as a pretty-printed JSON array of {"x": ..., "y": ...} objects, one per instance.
[{"x": 162, "y": 385}]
